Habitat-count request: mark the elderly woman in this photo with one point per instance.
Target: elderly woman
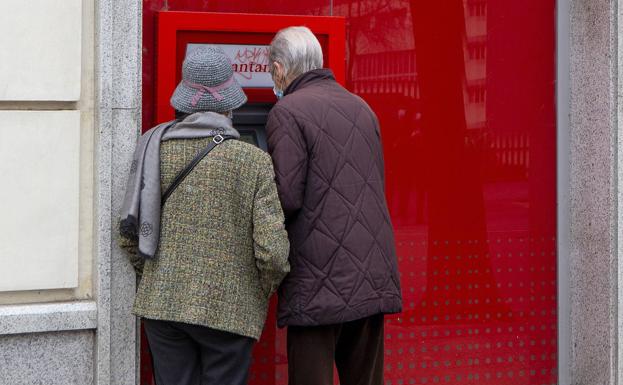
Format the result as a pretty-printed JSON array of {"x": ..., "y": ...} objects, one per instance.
[
  {"x": 326, "y": 148},
  {"x": 203, "y": 225}
]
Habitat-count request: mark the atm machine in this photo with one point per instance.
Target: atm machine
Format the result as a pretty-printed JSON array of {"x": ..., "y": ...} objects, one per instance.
[{"x": 245, "y": 39}]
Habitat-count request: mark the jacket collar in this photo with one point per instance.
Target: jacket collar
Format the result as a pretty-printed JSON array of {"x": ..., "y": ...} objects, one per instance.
[
  {"x": 206, "y": 119},
  {"x": 310, "y": 77}
]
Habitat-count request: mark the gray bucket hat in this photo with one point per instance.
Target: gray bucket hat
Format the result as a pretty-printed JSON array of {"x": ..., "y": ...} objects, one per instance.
[{"x": 208, "y": 83}]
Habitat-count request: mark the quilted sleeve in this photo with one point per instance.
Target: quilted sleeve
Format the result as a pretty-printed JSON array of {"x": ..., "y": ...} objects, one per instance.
[
  {"x": 270, "y": 238},
  {"x": 287, "y": 147}
]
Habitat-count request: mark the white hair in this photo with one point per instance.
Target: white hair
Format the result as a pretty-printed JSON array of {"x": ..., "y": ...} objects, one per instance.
[{"x": 297, "y": 50}]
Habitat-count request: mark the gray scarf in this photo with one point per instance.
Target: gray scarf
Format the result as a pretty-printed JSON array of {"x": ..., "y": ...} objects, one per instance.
[{"x": 140, "y": 213}]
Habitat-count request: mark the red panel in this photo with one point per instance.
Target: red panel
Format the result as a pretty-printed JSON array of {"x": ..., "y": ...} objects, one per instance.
[{"x": 464, "y": 91}]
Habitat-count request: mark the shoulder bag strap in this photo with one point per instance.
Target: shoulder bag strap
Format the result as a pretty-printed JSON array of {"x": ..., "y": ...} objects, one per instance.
[{"x": 218, "y": 139}]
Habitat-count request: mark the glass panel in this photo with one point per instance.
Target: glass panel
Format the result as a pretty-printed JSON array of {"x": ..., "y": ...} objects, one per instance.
[{"x": 464, "y": 90}]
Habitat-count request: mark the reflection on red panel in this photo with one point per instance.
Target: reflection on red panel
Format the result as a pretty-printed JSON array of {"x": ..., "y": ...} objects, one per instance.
[{"x": 464, "y": 90}]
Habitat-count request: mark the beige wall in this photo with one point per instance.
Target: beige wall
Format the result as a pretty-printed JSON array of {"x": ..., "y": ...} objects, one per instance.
[
  {"x": 46, "y": 150},
  {"x": 40, "y": 50}
]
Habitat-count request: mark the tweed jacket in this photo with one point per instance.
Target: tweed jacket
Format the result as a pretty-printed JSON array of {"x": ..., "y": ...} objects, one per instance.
[{"x": 223, "y": 246}]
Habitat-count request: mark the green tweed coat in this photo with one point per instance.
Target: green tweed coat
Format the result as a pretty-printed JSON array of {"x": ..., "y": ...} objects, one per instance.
[{"x": 223, "y": 246}]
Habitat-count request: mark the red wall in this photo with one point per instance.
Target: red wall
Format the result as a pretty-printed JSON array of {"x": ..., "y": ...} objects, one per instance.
[{"x": 464, "y": 90}]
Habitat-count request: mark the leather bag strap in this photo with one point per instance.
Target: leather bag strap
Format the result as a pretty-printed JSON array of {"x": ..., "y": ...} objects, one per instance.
[{"x": 218, "y": 139}]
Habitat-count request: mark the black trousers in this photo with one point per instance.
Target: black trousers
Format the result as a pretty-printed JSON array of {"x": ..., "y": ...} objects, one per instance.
[
  {"x": 356, "y": 348},
  {"x": 187, "y": 354}
]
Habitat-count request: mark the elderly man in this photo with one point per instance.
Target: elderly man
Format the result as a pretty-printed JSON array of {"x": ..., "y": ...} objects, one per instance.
[{"x": 326, "y": 149}]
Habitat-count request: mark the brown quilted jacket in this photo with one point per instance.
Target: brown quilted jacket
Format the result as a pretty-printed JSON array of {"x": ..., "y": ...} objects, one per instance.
[{"x": 326, "y": 149}]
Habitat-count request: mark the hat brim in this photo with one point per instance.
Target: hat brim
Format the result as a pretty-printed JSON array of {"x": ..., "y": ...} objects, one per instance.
[{"x": 232, "y": 98}]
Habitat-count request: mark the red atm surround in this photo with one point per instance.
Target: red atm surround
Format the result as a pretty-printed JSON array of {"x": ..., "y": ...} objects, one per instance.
[
  {"x": 500, "y": 175},
  {"x": 177, "y": 29}
]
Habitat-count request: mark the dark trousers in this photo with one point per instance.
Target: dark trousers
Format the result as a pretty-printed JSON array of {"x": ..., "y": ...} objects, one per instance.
[
  {"x": 187, "y": 354},
  {"x": 356, "y": 347}
]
